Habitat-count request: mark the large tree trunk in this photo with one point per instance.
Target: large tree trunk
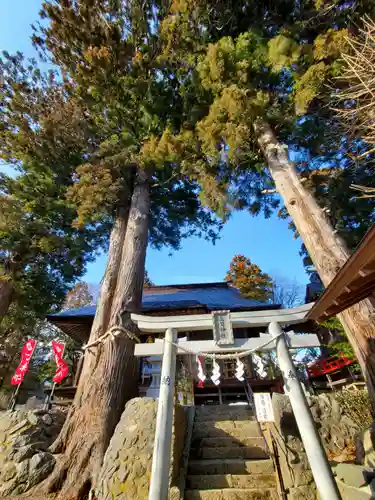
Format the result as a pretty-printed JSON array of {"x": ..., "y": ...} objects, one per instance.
[
  {"x": 109, "y": 376},
  {"x": 6, "y": 292},
  {"x": 326, "y": 249}
]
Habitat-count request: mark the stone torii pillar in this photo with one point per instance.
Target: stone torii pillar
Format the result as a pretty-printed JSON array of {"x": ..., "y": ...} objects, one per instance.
[
  {"x": 159, "y": 484},
  {"x": 315, "y": 452}
]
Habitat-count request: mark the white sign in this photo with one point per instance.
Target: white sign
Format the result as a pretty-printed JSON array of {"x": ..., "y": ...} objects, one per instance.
[
  {"x": 263, "y": 407},
  {"x": 222, "y": 328}
]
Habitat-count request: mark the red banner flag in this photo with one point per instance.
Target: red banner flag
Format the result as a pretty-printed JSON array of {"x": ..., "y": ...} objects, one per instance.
[
  {"x": 26, "y": 354},
  {"x": 62, "y": 368}
]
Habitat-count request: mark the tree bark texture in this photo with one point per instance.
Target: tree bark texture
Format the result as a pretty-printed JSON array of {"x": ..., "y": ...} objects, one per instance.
[
  {"x": 326, "y": 249},
  {"x": 6, "y": 292},
  {"x": 110, "y": 371}
]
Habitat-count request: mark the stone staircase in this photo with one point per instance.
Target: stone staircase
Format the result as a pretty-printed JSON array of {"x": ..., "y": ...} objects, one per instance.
[{"x": 229, "y": 458}]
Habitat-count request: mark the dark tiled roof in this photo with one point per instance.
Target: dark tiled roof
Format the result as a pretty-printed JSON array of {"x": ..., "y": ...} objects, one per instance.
[{"x": 212, "y": 296}]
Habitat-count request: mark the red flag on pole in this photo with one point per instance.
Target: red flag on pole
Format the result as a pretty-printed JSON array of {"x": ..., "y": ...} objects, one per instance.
[
  {"x": 62, "y": 368},
  {"x": 26, "y": 354}
]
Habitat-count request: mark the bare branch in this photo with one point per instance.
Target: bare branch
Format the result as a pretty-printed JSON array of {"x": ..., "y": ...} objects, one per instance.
[
  {"x": 368, "y": 192},
  {"x": 356, "y": 110}
]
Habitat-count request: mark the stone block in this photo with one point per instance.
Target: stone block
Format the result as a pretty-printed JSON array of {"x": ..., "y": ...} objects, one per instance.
[
  {"x": 234, "y": 466},
  {"x": 40, "y": 465},
  {"x": 126, "y": 469},
  {"x": 353, "y": 475},
  {"x": 255, "y": 452},
  {"x": 208, "y": 482},
  {"x": 230, "y": 441},
  {"x": 367, "y": 438},
  {"x": 22, "y": 471},
  {"x": 47, "y": 419},
  {"x": 350, "y": 493},
  {"x": 8, "y": 472},
  {"x": 204, "y": 495},
  {"x": 33, "y": 418},
  {"x": 230, "y": 494},
  {"x": 23, "y": 453},
  {"x": 257, "y": 494},
  {"x": 302, "y": 476},
  {"x": 302, "y": 493},
  {"x": 8, "y": 488},
  {"x": 253, "y": 481}
]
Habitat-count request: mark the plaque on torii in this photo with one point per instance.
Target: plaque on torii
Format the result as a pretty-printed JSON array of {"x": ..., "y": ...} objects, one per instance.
[{"x": 222, "y": 328}]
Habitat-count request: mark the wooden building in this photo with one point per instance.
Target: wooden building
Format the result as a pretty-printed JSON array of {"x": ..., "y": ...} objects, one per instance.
[{"x": 193, "y": 301}]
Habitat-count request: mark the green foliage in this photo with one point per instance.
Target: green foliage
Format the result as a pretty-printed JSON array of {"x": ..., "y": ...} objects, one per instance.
[
  {"x": 283, "y": 52},
  {"x": 111, "y": 60},
  {"x": 249, "y": 279},
  {"x": 41, "y": 135},
  {"x": 341, "y": 347},
  {"x": 308, "y": 86},
  {"x": 330, "y": 44},
  {"x": 43, "y": 362},
  {"x": 176, "y": 88},
  {"x": 276, "y": 62}
]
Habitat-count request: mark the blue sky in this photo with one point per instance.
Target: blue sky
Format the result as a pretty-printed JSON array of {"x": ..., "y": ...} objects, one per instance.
[{"x": 269, "y": 243}]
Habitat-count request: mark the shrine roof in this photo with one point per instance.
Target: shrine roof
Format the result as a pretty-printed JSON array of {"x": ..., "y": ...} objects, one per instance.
[
  {"x": 212, "y": 296},
  {"x": 202, "y": 297}
]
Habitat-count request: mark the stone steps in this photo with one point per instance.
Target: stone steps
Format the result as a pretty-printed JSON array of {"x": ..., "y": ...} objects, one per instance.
[
  {"x": 238, "y": 481},
  {"x": 228, "y": 441},
  {"x": 227, "y": 428},
  {"x": 256, "y": 452},
  {"x": 229, "y": 457},
  {"x": 224, "y": 412},
  {"x": 230, "y": 466},
  {"x": 231, "y": 494}
]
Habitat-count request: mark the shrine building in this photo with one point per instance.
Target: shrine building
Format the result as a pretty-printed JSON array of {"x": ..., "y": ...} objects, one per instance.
[{"x": 199, "y": 312}]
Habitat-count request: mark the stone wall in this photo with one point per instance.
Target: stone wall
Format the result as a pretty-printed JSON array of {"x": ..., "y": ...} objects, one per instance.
[
  {"x": 338, "y": 433},
  {"x": 127, "y": 463},
  {"x": 25, "y": 436}
]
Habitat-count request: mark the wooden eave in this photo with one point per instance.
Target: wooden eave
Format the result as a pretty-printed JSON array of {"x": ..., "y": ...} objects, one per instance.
[{"x": 354, "y": 282}]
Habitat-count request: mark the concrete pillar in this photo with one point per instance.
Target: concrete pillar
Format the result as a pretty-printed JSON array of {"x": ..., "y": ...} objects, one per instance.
[
  {"x": 164, "y": 421},
  {"x": 315, "y": 452}
]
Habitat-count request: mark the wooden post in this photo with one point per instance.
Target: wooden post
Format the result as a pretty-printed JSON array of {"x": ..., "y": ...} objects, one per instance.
[
  {"x": 274, "y": 457},
  {"x": 79, "y": 370},
  {"x": 47, "y": 404},
  {"x": 159, "y": 485},
  {"x": 14, "y": 397},
  {"x": 220, "y": 395}
]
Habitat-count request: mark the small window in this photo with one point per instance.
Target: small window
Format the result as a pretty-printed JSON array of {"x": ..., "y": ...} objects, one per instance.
[{"x": 229, "y": 368}]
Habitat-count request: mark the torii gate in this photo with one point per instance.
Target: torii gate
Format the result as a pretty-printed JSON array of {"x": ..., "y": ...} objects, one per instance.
[{"x": 275, "y": 339}]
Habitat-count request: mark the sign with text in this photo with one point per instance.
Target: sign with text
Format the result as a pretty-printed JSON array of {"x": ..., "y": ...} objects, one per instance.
[
  {"x": 222, "y": 328},
  {"x": 26, "y": 354},
  {"x": 263, "y": 407}
]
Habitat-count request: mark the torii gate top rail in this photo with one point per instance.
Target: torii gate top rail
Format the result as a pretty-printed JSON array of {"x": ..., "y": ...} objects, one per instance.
[{"x": 193, "y": 322}]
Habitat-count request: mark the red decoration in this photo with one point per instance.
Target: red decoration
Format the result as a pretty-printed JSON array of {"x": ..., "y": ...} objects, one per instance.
[
  {"x": 26, "y": 354},
  {"x": 328, "y": 365},
  {"x": 62, "y": 368}
]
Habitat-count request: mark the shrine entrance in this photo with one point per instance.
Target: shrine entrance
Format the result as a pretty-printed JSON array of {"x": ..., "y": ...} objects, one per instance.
[
  {"x": 226, "y": 346},
  {"x": 210, "y": 380}
]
